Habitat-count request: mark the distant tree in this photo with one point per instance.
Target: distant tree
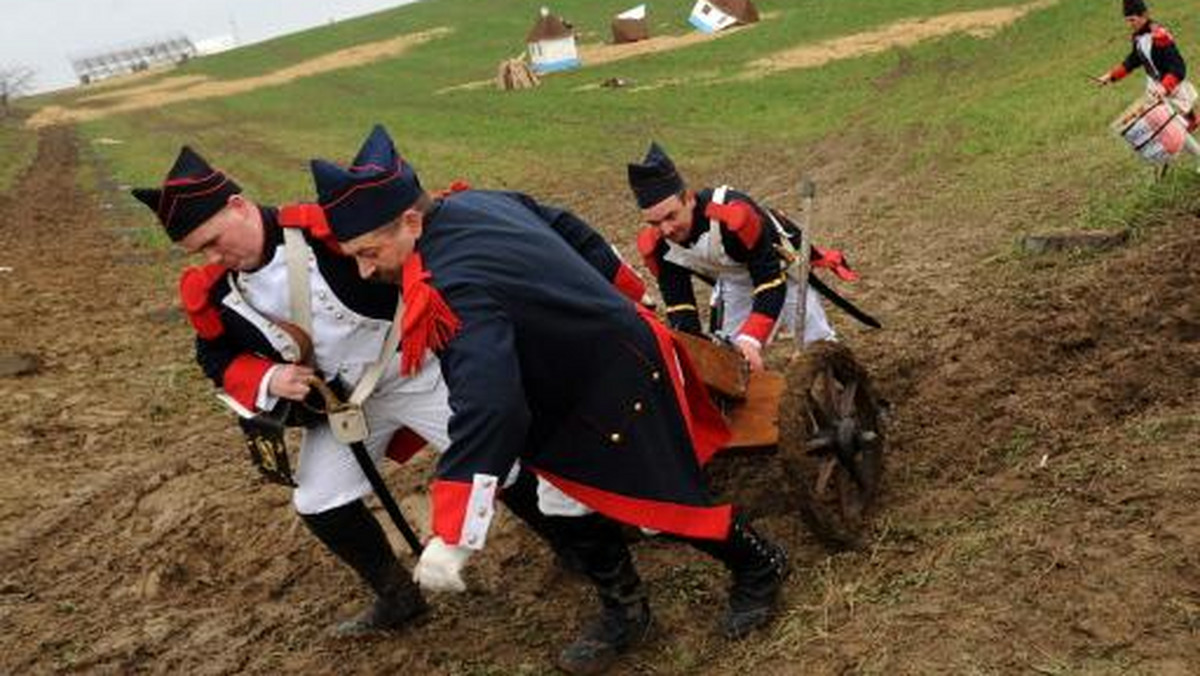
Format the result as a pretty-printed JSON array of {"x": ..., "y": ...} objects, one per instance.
[{"x": 14, "y": 82}]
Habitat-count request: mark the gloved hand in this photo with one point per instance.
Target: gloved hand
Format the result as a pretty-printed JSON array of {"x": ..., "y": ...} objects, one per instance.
[{"x": 440, "y": 567}]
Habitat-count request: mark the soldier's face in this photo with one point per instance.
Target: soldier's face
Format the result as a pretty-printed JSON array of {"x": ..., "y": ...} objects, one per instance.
[
  {"x": 233, "y": 237},
  {"x": 673, "y": 216},
  {"x": 1136, "y": 21},
  {"x": 380, "y": 254}
]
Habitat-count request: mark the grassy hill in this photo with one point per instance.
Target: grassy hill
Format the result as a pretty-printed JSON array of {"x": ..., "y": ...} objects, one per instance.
[{"x": 1017, "y": 101}]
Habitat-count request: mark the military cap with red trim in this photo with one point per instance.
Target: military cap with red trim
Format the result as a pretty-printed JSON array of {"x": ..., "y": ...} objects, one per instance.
[
  {"x": 192, "y": 193},
  {"x": 376, "y": 188},
  {"x": 655, "y": 179}
]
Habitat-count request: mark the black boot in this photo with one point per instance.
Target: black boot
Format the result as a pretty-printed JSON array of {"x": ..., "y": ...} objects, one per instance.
[
  {"x": 354, "y": 536},
  {"x": 624, "y": 619},
  {"x": 758, "y": 567},
  {"x": 521, "y": 499}
]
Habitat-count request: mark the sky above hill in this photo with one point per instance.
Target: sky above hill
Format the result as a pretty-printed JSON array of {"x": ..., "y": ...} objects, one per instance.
[{"x": 45, "y": 34}]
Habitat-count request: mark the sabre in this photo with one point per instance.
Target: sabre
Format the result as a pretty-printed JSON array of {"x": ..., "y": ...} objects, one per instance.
[{"x": 350, "y": 428}]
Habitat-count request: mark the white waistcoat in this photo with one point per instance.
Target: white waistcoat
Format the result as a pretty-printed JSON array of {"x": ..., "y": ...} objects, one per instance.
[{"x": 345, "y": 343}]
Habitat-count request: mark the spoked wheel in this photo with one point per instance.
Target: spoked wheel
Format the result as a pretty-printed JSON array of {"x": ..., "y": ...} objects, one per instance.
[{"x": 833, "y": 442}]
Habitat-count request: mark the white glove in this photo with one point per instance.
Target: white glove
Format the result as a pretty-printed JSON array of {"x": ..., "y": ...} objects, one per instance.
[{"x": 440, "y": 567}]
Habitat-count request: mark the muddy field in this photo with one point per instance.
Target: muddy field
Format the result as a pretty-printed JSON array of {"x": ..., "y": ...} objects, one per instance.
[{"x": 1039, "y": 510}]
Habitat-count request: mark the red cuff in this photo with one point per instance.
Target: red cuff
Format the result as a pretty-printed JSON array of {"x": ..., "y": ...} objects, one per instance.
[
  {"x": 1170, "y": 82},
  {"x": 448, "y": 501},
  {"x": 1117, "y": 73},
  {"x": 758, "y": 326},
  {"x": 629, "y": 283},
  {"x": 242, "y": 378}
]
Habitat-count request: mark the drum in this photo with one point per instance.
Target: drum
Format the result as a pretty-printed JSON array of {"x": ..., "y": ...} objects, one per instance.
[{"x": 1153, "y": 129}]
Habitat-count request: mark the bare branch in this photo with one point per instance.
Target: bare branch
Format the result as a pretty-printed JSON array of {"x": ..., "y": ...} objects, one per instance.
[{"x": 15, "y": 82}]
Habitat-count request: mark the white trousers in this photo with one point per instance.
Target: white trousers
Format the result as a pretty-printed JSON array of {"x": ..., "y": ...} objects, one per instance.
[
  {"x": 738, "y": 296},
  {"x": 1183, "y": 98},
  {"x": 328, "y": 475}
]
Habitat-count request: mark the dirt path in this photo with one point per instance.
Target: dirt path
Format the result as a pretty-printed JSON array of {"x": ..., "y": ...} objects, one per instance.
[
  {"x": 1040, "y": 504},
  {"x": 980, "y": 23},
  {"x": 192, "y": 87}
]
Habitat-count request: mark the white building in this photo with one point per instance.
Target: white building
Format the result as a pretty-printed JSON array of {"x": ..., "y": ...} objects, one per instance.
[
  {"x": 710, "y": 16},
  {"x": 216, "y": 44},
  {"x": 551, "y": 44},
  {"x": 630, "y": 25}
]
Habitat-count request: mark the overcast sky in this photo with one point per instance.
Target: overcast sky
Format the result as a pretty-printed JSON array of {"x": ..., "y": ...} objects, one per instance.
[{"x": 45, "y": 34}]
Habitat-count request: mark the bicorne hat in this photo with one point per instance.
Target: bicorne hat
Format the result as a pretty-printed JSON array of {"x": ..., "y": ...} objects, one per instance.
[
  {"x": 655, "y": 179},
  {"x": 192, "y": 193},
  {"x": 376, "y": 188}
]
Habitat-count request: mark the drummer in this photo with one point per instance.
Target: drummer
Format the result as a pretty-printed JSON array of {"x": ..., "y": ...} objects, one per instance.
[{"x": 1154, "y": 49}]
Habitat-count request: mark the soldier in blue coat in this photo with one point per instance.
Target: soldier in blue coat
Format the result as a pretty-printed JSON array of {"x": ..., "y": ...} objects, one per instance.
[{"x": 549, "y": 364}]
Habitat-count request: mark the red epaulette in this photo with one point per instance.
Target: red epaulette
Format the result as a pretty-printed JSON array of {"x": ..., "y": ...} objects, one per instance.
[
  {"x": 195, "y": 292},
  {"x": 647, "y": 244},
  {"x": 740, "y": 217},
  {"x": 428, "y": 322},
  {"x": 310, "y": 217},
  {"x": 458, "y": 185},
  {"x": 1161, "y": 37}
]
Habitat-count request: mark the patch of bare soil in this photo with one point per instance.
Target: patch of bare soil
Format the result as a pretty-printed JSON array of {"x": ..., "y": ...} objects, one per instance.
[
  {"x": 1038, "y": 508},
  {"x": 979, "y": 23},
  {"x": 189, "y": 88},
  {"x": 132, "y": 92}
]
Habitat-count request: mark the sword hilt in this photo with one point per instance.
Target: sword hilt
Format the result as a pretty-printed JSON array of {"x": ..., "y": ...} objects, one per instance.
[{"x": 332, "y": 401}]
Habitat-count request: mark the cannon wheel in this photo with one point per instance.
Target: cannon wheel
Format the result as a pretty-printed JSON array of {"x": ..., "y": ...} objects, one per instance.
[{"x": 833, "y": 443}]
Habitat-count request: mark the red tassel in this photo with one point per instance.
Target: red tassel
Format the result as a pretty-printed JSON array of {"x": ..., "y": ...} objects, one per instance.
[
  {"x": 428, "y": 323},
  {"x": 834, "y": 260}
]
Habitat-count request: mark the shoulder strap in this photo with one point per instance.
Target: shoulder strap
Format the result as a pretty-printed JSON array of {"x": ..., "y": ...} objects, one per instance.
[
  {"x": 371, "y": 376},
  {"x": 714, "y": 226},
  {"x": 299, "y": 289}
]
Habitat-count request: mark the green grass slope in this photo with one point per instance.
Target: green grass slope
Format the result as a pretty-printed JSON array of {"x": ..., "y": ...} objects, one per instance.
[{"x": 1016, "y": 102}]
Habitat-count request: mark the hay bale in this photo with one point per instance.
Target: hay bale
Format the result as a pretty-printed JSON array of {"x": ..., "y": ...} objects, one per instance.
[{"x": 515, "y": 74}]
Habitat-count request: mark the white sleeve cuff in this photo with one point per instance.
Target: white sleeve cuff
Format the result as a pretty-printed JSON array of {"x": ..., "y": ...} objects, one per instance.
[
  {"x": 265, "y": 401},
  {"x": 747, "y": 338}
]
